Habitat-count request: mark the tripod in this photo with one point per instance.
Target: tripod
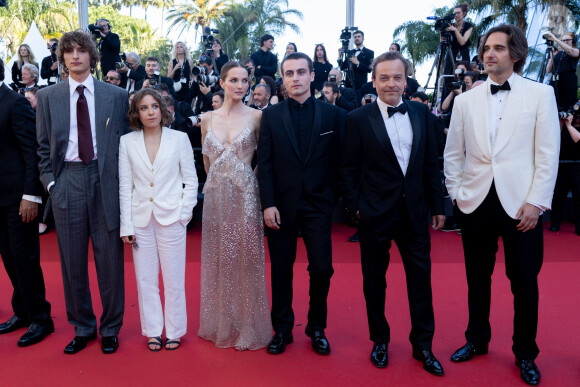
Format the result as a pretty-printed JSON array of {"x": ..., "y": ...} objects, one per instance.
[
  {"x": 545, "y": 61},
  {"x": 443, "y": 52}
]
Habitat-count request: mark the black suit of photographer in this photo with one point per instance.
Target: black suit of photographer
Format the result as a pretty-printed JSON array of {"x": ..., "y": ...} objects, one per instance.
[
  {"x": 109, "y": 47},
  {"x": 202, "y": 101},
  {"x": 133, "y": 76},
  {"x": 158, "y": 79},
  {"x": 45, "y": 69},
  {"x": 360, "y": 71}
]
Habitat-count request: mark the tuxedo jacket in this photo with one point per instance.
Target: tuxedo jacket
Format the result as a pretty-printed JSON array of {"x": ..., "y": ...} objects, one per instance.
[
  {"x": 524, "y": 161},
  {"x": 372, "y": 180},
  {"x": 283, "y": 175},
  {"x": 53, "y": 128},
  {"x": 361, "y": 71},
  {"x": 166, "y": 188},
  {"x": 18, "y": 160}
]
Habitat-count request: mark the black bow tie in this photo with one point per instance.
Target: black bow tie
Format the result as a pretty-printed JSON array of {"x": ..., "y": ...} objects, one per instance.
[
  {"x": 496, "y": 88},
  {"x": 401, "y": 109}
]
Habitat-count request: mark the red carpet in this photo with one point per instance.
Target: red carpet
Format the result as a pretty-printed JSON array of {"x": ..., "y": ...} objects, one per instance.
[{"x": 198, "y": 362}]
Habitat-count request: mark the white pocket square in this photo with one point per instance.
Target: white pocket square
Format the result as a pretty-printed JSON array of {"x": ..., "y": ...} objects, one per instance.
[{"x": 325, "y": 133}]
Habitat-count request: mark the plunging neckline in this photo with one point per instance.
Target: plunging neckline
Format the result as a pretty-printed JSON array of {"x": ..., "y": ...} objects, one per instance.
[{"x": 234, "y": 140}]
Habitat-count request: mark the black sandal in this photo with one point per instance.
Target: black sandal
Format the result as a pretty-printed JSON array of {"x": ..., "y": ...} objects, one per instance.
[
  {"x": 156, "y": 342},
  {"x": 169, "y": 342}
]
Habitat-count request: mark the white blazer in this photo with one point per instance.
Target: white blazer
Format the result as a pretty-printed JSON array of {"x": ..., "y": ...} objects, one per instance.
[
  {"x": 524, "y": 162},
  {"x": 166, "y": 189}
]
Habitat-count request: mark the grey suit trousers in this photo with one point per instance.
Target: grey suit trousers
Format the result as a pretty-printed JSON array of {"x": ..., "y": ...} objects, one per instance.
[{"x": 77, "y": 206}]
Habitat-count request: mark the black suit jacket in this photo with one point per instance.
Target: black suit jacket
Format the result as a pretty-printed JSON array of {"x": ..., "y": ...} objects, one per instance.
[
  {"x": 19, "y": 173},
  {"x": 110, "y": 47},
  {"x": 283, "y": 175},
  {"x": 135, "y": 75},
  {"x": 167, "y": 81},
  {"x": 372, "y": 180},
  {"x": 361, "y": 71},
  {"x": 45, "y": 71}
]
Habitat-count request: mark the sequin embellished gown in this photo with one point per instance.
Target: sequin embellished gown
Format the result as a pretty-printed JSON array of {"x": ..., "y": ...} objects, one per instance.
[{"x": 234, "y": 307}]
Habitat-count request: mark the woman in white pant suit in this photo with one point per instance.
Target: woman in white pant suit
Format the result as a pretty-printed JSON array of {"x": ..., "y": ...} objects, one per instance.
[{"x": 158, "y": 190}]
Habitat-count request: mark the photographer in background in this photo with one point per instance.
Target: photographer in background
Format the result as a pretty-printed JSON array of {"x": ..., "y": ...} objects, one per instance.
[
  {"x": 179, "y": 69},
  {"x": 154, "y": 76},
  {"x": 361, "y": 59},
  {"x": 265, "y": 62},
  {"x": 205, "y": 83},
  {"x": 456, "y": 87},
  {"x": 461, "y": 32},
  {"x": 219, "y": 57},
  {"x": 563, "y": 65},
  {"x": 346, "y": 98},
  {"x": 49, "y": 66},
  {"x": 131, "y": 71},
  {"x": 109, "y": 45}
]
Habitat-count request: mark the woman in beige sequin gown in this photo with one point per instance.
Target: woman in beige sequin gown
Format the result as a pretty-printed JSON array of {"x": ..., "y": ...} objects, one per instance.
[{"x": 234, "y": 307}]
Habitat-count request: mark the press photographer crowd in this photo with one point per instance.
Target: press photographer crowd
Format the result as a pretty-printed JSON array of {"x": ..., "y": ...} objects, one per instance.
[{"x": 478, "y": 156}]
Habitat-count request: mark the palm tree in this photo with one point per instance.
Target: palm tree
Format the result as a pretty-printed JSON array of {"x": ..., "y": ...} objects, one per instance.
[
  {"x": 199, "y": 13},
  {"x": 234, "y": 27},
  {"x": 510, "y": 11},
  {"x": 269, "y": 17}
]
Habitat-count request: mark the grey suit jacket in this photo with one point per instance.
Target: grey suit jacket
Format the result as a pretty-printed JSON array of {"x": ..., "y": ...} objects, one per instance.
[{"x": 53, "y": 128}]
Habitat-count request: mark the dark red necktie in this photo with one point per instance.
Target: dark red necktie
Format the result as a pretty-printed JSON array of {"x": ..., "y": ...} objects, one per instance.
[{"x": 86, "y": 152}]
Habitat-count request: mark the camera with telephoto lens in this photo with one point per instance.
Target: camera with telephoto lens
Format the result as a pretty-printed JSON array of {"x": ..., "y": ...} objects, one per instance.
[
  {"x": 332, "y": 78},
  {"x": 459, "y": 73},
  {"x": 575, "y": 112},
  {"x": 96, "y": 29},
  {"x": 195, "y": 119},
  {"x": 123, "y": 62},
  {"x": 443, "y": 22},
  {"x": 53, "y": 47},
  {"x": 155, "y": 79},
  {"x": 200, "y": 75}
]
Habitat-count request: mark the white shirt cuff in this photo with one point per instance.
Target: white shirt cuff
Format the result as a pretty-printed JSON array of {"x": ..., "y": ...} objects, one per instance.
[
  {"x": 34, "y": 199},
  {"x": 49, "y": 186}
]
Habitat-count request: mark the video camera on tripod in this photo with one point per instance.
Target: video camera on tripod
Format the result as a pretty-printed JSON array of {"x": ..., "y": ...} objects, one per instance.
[
  {"x": 345, "y": 36},
  {"x": 441, "y": 23},
  {"x": 207, "y": 39}
]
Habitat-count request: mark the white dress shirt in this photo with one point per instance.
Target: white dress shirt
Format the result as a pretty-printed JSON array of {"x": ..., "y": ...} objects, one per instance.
[
  {"x": 72, "y": 150},
  {"x": 400, "y": 133},
  {"x": 30, "y": 198},
  {"x": 496, "y": 103}
]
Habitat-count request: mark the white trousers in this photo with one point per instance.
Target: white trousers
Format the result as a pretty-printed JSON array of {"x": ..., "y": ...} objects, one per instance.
[{"x": 163, "y": 245}]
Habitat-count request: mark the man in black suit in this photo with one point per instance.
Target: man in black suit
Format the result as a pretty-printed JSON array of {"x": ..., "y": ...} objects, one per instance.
[
  {"x": 49, "y": 66},
  {"x": 19, "y": 198},
  {"x": 131, "y": 72},
  {"x": 346, "y": 96},
  {"x": 390, "y": 175},
  {"x": 298, "y": 155},
  {"x": 153, "y": 76},
  {"x": 109, "y": 47},
  {"x": 261, "y": 97},
  {"x": 265, "y": 62},
  {"x": 359, "y": 60}
]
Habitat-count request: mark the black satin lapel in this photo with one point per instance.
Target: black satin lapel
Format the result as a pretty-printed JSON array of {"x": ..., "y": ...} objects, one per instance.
[
  {"x": 416, "y": 126},
  {"x": 287, "y": 122},
  {"x": 315, "y": 128},
  {"x": 378, "y": 125}
]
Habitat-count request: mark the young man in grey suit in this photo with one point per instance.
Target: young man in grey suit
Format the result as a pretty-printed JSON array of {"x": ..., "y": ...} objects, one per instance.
[{"x": 79, "y": 123}]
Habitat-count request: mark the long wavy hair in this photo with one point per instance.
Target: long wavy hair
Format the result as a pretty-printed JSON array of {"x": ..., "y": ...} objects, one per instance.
[{"x": 20, "y": 60}]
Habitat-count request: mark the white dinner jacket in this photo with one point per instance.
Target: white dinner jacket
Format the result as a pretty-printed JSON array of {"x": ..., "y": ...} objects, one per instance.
[
  {"x": 167, "y": 188},
  {"x": 524, "y": 161}
]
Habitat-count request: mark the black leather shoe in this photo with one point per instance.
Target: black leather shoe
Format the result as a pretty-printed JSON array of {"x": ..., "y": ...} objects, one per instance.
[
  {"x": 554, "y": 228},
  {"x": 109, "y": 344},
  {"x": 36, "y": 333},
  {"x": 467, "y": 352},
  {"x": 353, "y": 237},
  {"x": 278, "y": 343},
  {"x": 430, "y": 362},
  {"x": 380, "y": 355},
  {"x": 319, "y": 341},
  {"x": 78, "y": 344},
  {"x": 15, "y": 322},
  {"x": 529, "y": 371}
]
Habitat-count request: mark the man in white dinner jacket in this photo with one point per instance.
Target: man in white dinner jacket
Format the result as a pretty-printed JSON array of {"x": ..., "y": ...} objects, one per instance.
[{"x": 501, "y": 161}]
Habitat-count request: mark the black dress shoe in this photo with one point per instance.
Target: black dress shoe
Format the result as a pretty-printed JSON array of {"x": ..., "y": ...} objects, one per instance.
[
  {"x": 467, "y": 352},
  {"x": 15, "y": 322},
  {"x": 78, "y": 344},
  {"x": 529, "y": 371},
  {"x": 353, "y": 237},
  {"x": 554, "y": 228},
  {"x": 36, "y": 333},
  {"x": 109, "y": 344},
  {"x": 278, "y": 343},
  {"x": 430, "y": 362},
  {"x": 319, "y": 341},
  {"x": 380, "y": 355}
]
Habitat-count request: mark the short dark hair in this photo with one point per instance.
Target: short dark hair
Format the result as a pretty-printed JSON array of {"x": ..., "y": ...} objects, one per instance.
[
  {"x": 246, "y": 61},
  {"x": 517, "y": 44},
  {"x": 1, "y": 70},
  {"x": 358, "y": 32},
  {"x": 332, "y": 85},
  {"x": 473, "y": 75},
  {"x": 264, "y": 38},
  {"x": 296, "y": 56},
  {"x": 135, "y": 122},
  {"x": 220, "y": 93},
  {"x": 265, "y": 87},
  {"x": 161, "y": 87},
  {"x": 152, "y": 59},
  {"x": 419, "y": 94},
  {"x": 396, "y": 45},
  {"x": 79, "y": 38},
  {"x": 168, "y": 100},
  {"x": 389, "y": 55}
]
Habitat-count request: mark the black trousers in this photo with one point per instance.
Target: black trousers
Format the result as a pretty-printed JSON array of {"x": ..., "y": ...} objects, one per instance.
[
  {"x": 316, "y": 228},
  {"x": 415, "y": 251},
  {"x": 568, "y": 178},
  {"x": 20, "y": 250},
  {"x": 480, "y": 232}
]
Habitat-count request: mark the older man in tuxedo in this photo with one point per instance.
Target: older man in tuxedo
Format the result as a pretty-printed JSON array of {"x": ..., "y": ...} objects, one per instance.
[
  {"x": 19, "y": 198},
  {"x": 391, "y": 183},
  {"x": 79, "y": 123},
  {"x": 501, "y": 161}
]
